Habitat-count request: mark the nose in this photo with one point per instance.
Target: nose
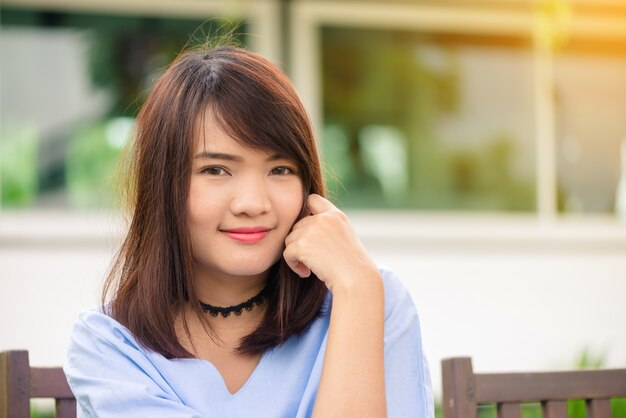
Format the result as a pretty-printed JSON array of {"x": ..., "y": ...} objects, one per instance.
[{"x": 251, "y": 198}]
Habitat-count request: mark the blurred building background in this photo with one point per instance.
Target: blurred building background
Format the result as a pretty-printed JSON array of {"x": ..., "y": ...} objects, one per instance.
[{"x": 478, "y": 145}]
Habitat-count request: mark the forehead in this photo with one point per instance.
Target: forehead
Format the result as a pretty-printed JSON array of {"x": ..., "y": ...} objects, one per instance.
[
  {"x": 211, "y": 137},
  {"x": 210, "y": 134}
]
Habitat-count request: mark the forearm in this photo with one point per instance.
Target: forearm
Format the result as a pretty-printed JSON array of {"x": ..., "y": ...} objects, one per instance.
[{"x": 353, "y": 378}]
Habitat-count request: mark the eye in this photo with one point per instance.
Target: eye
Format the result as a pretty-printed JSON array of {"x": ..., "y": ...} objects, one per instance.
[
  {"x": 282, "y": 171},
  {"x": 214, "y": 171}
]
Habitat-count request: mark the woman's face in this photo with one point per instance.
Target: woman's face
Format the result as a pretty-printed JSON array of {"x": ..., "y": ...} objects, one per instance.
[{"x": 242, "y": 204}]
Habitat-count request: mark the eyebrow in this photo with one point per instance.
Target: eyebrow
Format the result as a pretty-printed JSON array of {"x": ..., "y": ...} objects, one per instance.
[{"x": 205, "y": 155}]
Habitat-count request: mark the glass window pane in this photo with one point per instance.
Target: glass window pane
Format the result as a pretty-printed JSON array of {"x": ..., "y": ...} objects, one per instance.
[
  {"x": 71, "y": 86},
  {"x": 590, "y": 88},
  {"x": 428, "y": 121}
]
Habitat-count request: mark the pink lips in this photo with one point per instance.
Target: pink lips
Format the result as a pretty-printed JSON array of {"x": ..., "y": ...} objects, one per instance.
[{"x": 247, "y": 235}]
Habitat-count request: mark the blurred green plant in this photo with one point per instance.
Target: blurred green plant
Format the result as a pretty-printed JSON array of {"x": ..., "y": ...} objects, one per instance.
[
  {"x": 618, "y": 407},
  {"x": 91, "y": 165},
  {"x": 575, "y": 409},
  {"x": 18, "y": 164},
  {"x": 438, "y": 411},
  {"x": 34, "y": 413},
  {"x": 42, "y": 408},
  {"x": 588, "y": 360}
]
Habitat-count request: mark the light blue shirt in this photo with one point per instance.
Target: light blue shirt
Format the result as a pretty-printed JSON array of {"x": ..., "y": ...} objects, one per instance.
[{"x": 111, "y": 375}]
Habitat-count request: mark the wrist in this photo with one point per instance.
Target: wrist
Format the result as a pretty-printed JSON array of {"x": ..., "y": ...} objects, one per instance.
[{"x": 365, "y": 284}]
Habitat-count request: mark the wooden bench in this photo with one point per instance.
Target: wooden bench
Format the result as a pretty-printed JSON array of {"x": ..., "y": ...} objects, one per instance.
[
  {"x": 464, "y": 390},
  {"x": 19, "y": 383}
]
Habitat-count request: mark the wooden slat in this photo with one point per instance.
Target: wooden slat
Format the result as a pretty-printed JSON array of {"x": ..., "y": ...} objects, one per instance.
[
  {"x": 555, "y": 409},
  {"x": 49, "y": 383},
  {"x": 14, "y": 384},
  {"x": 66, "y": 408},
  {"x": 531, "y": 387},
  {"x": 19, "y": 383},
  {"x": 4, "y": 386},
  {"x": 508, "y": 410},
  {"x": 599, "y": 408},
  {"x": 458, "y": 388}
]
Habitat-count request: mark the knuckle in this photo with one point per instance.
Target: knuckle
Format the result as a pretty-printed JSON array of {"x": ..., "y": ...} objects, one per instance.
[
  {"x": 302, "y": 243},
  {"x": 341, "y": 216}
]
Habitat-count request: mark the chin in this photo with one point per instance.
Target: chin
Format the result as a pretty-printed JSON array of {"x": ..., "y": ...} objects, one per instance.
[
  {"x": 245, "y": 268},
  {"x": 236, "y": 263}
]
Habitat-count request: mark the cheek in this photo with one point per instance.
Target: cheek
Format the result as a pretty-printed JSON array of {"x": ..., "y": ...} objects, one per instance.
[
  {"x": 194, "y": 209},
  {"x": 290, "y": 203},
  {"x": 202, "y": 207}
]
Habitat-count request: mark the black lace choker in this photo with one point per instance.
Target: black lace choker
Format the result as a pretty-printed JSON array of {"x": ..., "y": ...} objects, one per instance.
[{"x": 236, "y": 309}]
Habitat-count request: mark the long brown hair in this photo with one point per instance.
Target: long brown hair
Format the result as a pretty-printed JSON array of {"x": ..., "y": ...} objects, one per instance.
[{"x": 151, "y": 277}]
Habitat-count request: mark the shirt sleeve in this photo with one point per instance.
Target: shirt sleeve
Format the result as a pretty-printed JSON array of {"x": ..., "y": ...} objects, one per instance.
[
  {"x": 407, "y": 377},
  {"x": 112, "y": 376}
]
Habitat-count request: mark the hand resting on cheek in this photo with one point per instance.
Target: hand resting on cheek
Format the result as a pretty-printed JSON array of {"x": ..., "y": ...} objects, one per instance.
[{"x": 326, "y": 244}]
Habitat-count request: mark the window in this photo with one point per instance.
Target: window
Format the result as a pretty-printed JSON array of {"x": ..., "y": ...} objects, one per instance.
[
  {"x": 429, "y": 121},
  {"x": 460, "y": 107},
  {"x": 71, "y": 86},
  {"x": 590, "y": 95}
]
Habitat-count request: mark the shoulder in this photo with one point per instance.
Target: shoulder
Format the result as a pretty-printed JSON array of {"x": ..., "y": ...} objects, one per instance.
[
  {"x": 94, "y": 325},
  {"x": 96, "y": 335},
  {"x": 103, "y": 359},
  {"x": 112, "y": 375},
  {"x": 398, "y": 299}
]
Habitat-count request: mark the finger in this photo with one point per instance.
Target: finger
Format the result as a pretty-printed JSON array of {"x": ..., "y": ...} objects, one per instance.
[
  {"x": 318, "y": 204},
  {"x": 302, "y": 222},
  {"x": 293, "y": 236},
  {"x": 301, "y": 270},
  {"x": 296, "y": 265}
]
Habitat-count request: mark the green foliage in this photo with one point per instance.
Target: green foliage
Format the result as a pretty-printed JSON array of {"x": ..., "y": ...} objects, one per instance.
[
  {"x": 41, "y": 414},
  {"x": 18, "y": 165},
  {"x": 587, "y": 360},
  {"x": 42, "y": 408},
  {"x": 90, "y": 168},
  {"x": 487, "y": 411},
  {"x": 575, "y": 409},
  {"x": 618, "y": 407},
  {"x": 438, "y": 411},
  {"x": 531, "y": 410}
]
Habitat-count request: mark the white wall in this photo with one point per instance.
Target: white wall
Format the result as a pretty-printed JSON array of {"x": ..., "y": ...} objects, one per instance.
[{"x": 512, "y": 293}]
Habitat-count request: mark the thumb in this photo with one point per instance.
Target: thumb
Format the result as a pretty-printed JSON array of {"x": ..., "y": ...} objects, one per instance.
[
  {"x": 318, "y": 204},
  {"x": 296, "y": 265},
  {"x": 300, "y": 269}
]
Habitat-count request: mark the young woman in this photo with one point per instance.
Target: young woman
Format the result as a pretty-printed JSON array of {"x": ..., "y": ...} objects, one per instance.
[{"x": 240, "y": 291}]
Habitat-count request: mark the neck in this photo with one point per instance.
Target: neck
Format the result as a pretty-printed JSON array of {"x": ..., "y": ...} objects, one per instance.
[
  {"x": 225, "y": 290},
  {"x": 237, "y": 310}
]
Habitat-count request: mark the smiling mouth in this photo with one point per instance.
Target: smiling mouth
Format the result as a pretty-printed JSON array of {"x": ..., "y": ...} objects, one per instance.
[{"x": 247, "y": 235}]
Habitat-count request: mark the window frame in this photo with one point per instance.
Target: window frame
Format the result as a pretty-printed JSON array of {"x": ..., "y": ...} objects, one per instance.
[
  {"x": 262, "y": 16},
  {"x": 308, "y": 16}
]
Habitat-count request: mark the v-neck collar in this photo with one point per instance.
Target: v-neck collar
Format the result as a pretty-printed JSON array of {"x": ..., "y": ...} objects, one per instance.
[{"x": 222, "y": 383}]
